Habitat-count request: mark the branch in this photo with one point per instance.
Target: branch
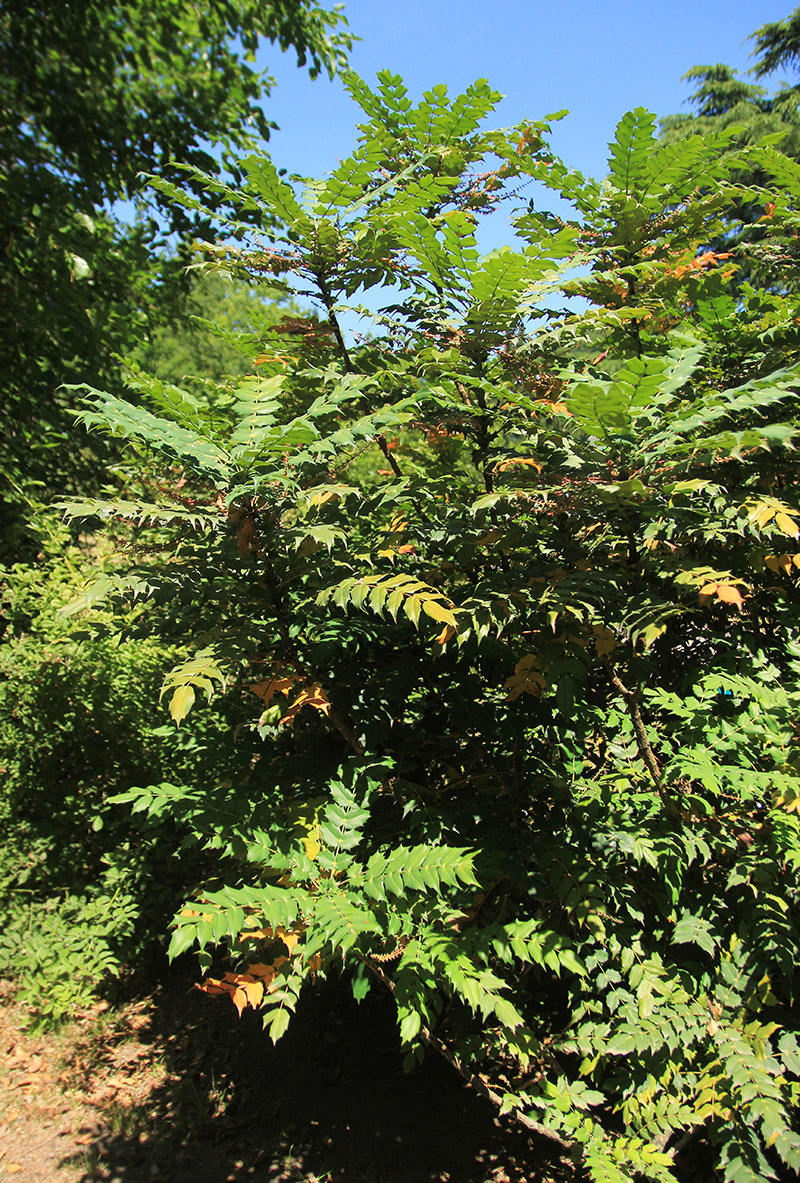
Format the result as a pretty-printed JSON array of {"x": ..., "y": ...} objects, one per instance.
[
  {"x": 572, "y": 1149},
  {"x": 270, "y": 585},
  {"x": 643, "y": 744},
  {"x": 328, "y": 301}
]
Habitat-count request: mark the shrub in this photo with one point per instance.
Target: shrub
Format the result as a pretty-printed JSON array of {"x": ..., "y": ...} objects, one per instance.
[
  {"x": 84, "y": 889},
  {"x": 517, "y": 727}
]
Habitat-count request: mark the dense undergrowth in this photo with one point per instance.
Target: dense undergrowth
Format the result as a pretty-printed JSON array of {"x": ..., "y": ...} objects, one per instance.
[{"x": 85, "y": 892}]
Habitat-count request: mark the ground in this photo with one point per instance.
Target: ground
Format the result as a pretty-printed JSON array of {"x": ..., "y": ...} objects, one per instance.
[{"x": 174, "y": 1087}]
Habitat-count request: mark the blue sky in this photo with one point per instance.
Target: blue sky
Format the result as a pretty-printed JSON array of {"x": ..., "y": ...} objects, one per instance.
[{"x": 597, "y": 59}]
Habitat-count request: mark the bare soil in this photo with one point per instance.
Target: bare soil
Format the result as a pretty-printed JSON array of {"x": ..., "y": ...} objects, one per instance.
[{"x": 175, "y": 1087}]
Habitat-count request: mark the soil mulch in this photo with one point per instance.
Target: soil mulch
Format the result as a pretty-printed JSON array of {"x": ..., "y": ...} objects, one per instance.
[{"x": 176, "y": 1088}]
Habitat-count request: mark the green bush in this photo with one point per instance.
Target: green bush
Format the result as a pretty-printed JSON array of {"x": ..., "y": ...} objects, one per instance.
[
  {"x": 84, "y": 889},
  {"x": 518, "y": 728}
]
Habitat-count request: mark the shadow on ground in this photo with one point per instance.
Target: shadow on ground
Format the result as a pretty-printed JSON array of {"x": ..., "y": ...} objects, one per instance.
[{"x": 329, "y": 1104}]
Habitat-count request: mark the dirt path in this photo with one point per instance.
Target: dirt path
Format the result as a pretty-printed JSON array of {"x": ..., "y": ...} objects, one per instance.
[{"x": 175, "y": 1088}]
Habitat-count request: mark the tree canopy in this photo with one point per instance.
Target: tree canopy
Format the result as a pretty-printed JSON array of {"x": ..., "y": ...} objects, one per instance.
[
  {"x": 777, "y": 45},
  {"x": 93, "y": 94}
]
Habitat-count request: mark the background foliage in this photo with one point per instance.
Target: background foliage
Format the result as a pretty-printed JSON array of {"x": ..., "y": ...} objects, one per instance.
[{"x": 94, "y": 94}]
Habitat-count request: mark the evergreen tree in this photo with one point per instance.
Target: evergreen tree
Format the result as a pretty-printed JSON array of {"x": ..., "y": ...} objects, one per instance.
[
  {"x": 724, "y": 101},
  {"x": 778, "y": 46}
]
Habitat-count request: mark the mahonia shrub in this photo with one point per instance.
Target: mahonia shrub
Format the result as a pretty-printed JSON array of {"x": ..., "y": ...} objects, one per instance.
[{"x": 503, "y": 599}]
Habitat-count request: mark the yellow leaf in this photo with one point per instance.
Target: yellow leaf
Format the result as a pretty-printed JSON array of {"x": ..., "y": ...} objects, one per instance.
[
  {"x": 652, "y": 632},
  {"x": 787, "y": 525},
  {"x": 764, "y": 511},
  {"x": 761, "y": 514},
  {"x": 445, "y": 635},
  {"x": 320, "y": 496},
  {"x": 312, "y": 843},
  {"x": 789, "y": 801},
  {"x": 778, "y": 563},
  {"x": 181, "y": 703},
  {"x": 438, "y": 612}
]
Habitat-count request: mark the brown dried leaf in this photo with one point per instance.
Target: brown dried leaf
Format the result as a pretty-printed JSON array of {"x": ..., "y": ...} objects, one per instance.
[
  {"x": 730, "y": 594},
  {"x": 256, "y": 934},
  {"x": 253, "y": 992},
  {"x": 239, "y": 1000},
  {"x": 279, "y": 685},
  {"x": 312, "y": 696},
  {"x": 727, "y": 593},
  {"x": 517, "y": 462},
  {"x": 525, "y": 680},
  {"x": 604, "y": 640}
]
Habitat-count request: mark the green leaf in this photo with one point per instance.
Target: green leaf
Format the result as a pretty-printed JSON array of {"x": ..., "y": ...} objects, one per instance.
[
  {"x": 181, "y": 703},
  {"x": 410, "y": 1026},
  {"x": 694, "y": 930}
]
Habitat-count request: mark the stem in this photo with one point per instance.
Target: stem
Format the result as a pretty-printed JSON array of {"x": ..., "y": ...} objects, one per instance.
[
  {"x": 272, "y": 588},
  {"x": 384, "y": 447},
  {"x": 471, "y": 1078},
  {"x": 645, "y": 748},
  {"x": 637, "y": 337},
  {"x": 483, "y": 440},
  {"x": 328, "y": 301}
]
